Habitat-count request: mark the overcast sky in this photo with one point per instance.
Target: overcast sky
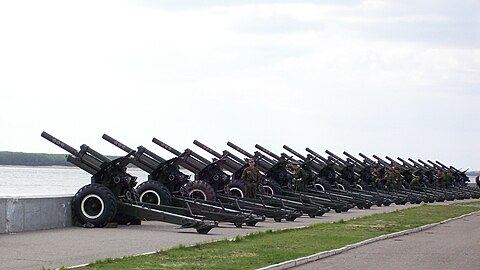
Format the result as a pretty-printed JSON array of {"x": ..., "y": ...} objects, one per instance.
[{"x": 397, "y": 78}]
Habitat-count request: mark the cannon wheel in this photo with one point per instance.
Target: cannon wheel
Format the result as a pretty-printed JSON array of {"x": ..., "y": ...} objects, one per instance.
[
  {"x": 360, "y": 185},
  {"x": 322, "y": 185},
  {"x": 154, "y": 192},
  {"x": 236, "y": 188},
  {"x": 94, "y": 204},
  {"x": 201, "y": 190},
  {"x": 342, "y": 184},
  {"x": 271, "y": 187}
]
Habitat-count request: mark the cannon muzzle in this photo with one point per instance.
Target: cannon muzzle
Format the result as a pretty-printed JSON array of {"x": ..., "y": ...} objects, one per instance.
[{"x": 59, "y": 143}]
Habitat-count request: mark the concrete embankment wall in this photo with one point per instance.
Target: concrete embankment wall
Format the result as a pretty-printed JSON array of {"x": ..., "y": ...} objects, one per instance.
[{"x": 18, "y": 214}]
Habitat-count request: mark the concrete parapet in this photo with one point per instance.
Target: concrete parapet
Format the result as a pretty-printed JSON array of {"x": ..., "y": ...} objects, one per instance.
[{"x": 18, "y": 214}]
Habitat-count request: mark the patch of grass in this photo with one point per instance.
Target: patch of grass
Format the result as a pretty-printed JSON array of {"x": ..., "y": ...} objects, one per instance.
[
  {"x": 468, "y": 203},
  {"x": 270, "y": 247}
]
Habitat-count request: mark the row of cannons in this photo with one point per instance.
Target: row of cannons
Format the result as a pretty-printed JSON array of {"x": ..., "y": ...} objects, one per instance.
[{"x": 216, "y": 194}]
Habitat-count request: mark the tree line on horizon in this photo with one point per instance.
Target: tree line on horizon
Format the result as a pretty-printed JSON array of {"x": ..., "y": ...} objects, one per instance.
[
  {"x": 35, "y": 159},
  {"x": 40, "y": 159}
]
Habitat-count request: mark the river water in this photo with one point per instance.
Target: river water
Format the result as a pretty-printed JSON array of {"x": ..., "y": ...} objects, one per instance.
[
  {"x": 51, "y": 181},
  {"x": 47, "y": 181}
]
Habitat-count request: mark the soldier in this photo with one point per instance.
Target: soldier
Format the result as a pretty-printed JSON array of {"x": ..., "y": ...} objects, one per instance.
[
  {"x": 250, "y": 177},
  {"x": 391, "y": 178},
  {"x": 441, "y": 179},
  {"x": 299, "y": 176}
]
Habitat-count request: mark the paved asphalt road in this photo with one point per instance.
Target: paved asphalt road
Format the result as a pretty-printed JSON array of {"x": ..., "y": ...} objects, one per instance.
[
  {"x": 452, "y": 245},
  {"x": 73, "y": 245}
]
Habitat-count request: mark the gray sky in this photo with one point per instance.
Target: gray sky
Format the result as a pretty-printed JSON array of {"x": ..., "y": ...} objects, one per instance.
[{"x": 397, "y": 78}]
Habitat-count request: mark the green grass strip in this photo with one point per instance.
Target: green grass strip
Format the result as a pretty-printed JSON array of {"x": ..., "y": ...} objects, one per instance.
[{"x": 265, "y": 248}]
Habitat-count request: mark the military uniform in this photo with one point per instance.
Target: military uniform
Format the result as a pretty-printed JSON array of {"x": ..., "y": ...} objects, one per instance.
[
  {"x": 299, "y": 179},
  {"x": 415, "y": 184},
  {"x": 250, "y": 178}
]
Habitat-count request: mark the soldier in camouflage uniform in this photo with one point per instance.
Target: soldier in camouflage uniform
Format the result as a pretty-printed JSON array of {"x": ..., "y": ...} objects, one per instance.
[
  {"x": 392, "y": 178},
  {"x": 299, "y": 177},
  {"x": 416, "y": 184},
  {"x": 250, "y": 177}
]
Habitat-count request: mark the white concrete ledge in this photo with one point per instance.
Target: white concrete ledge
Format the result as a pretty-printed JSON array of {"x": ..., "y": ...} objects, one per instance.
[{"x": 18, "y": 214}]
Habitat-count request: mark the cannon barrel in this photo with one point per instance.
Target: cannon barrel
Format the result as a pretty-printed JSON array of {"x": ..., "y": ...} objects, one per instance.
[
  {"x": 381, "y": 161},
  {"x": 94, "y": 153},
  {"x": 266, "y": 151},
  {"x": 443, "y": 166},
  {"x": 316, "y": 155},
  {"x": 208, "y": 149},
  {"x": 263, "y": 162},
  {"x": 359, "y": 162},
  {"x": 239, "y": 149},
  {"x": 231, "y": 164},
  {"x": 143, "y": 158},
  {"x": 264, "y": 158},
  {"x": 324, "y": 160},
  {"x": 426, "y": 165},
  {"x": 190, "y": 163},
  {"x": 405, "y": 163},
  {"x": 394, "y": 161},
  {"x": 316, "y": 164},
  {"x": 366, "y": 159},
  {"x": 302, "y": 157},
  {"x": 436, "y": 166},
  {"x": 166, "y": 147},
  {"x": 232, "y": 156},
  {"x": 335, "y": 156},
  {"x": 117, "y": 143},
  {"x": 415, "y": 163},
  {"x": 199, "y": 157},
  {"x": 59, "y": 143}
]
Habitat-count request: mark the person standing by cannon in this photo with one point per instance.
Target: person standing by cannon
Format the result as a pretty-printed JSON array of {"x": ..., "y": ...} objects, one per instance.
[
  {"x": 250, "y": 177},
  {"x": 299, "y": 176}
]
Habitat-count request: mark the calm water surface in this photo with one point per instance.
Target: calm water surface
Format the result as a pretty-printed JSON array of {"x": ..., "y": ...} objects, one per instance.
[{"x": 48, "y": 181}]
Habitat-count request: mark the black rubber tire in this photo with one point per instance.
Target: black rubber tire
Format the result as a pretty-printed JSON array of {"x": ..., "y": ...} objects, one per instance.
[
  {"x": 360, "y": 185},
  {"x": 342, "y": 184},
  {"x": 270, "y": 187},
  {"x": 236, "y": 188},
  {"x": 154, "y": 192},
  {"x": 94, "y": 204},
  {"x": 201, "y": 190},
  {"x": 322, "y": 185}
]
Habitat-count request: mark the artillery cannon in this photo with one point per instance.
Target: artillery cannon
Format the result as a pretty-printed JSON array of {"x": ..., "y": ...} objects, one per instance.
[
  {"x": 207, "y": 170},
  {"x": 167, "y": 173},
  {"x": 269, "y": 192},
  {"x": 275, "y": 171},
  {"x": 111, "y": 196}
]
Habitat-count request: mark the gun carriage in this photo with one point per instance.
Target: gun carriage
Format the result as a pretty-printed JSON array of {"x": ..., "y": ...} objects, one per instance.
[
  {"x": 111, "y": 196},
  {"x": 202, "y": 168},
  {"x": 278, "y": 177},
  {"x": 268, "y": 191},
  {"x": 168, "y": 185}
]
